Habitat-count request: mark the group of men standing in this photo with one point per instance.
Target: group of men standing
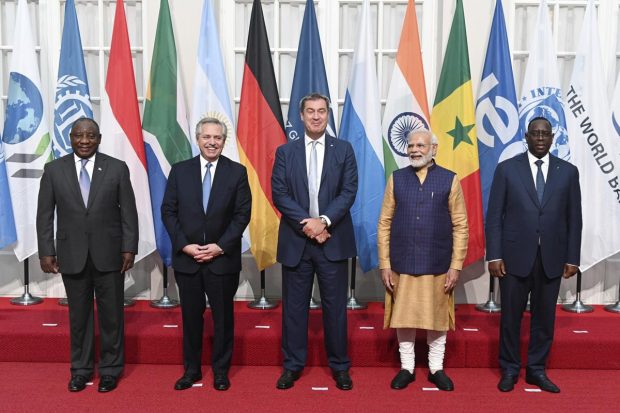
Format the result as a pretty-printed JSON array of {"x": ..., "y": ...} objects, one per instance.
[{"x": 533, "y": 238}]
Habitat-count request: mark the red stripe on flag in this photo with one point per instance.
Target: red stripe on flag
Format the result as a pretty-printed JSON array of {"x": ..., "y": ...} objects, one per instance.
[
  {"x": 258, "y": 131},
  {"x": 473, "y": 201},
  {"x": 120, "y": 84}
]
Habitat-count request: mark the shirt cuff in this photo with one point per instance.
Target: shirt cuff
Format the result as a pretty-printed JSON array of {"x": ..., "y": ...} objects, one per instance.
[{"x": 329, "y": 222}]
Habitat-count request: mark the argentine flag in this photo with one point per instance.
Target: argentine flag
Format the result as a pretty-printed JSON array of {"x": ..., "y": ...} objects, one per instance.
[
  {"x": 211, "y": 98},
  {"x": 361, "y": 125}
]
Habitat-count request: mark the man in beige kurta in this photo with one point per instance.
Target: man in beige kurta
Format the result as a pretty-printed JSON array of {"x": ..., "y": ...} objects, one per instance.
[{"x": 421, "y": 301}]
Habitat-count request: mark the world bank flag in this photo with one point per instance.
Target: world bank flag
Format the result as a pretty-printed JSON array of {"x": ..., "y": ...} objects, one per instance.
[{"x": 72, "y": 95}]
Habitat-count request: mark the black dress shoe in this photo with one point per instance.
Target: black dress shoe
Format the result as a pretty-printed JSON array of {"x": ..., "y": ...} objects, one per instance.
[
  {"x": 441, "y": 380},
  {"x": 107, "y": 383},
  {"x": 402, "y": 380},
  {"x": 288, "y": 379},
  {"x": 343, "y": 380},
  {"x": 187, "y": 381},
  {"x": 541, "y": 380},
  {"x": 77, "y": 383},
  {"x": 221, "y": 382},
  {"x": 507, "y": 382}
]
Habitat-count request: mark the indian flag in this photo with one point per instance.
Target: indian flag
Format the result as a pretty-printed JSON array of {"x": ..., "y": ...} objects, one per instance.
[{"x": 407, "y": 105}]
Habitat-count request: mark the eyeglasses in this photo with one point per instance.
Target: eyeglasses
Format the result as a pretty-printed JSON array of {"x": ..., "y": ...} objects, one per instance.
[{"x": 540, "y": 133}]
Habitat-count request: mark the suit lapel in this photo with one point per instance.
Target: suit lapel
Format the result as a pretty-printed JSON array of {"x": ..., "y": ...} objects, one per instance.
[
  {"x": 71, "y": 177},
  {"x": 219, "y": 179},
  {"x": 299, "y": 161},
  {"x": 194, "y": 181},
  {"x": 328, "y": 158},
  {"x": 552, "y": 179},
  {"x": 99, "y": 171},
  {"x": 525, "y": 172}
]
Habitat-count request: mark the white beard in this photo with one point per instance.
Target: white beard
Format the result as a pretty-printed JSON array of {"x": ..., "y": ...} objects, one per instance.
[{"x": 422, "y": 162}]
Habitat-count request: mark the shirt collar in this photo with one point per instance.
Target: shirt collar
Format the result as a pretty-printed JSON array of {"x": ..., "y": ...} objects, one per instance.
[
  {"x": 204, "y": 162},
  {"x": 77, "y": 159},
  {"x": 307, "y": 140},
  {"x": 532, "y": 159}
]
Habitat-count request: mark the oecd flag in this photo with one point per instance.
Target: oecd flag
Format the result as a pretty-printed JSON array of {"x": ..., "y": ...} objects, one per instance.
[
  {"x": 497, "y": 116},
  {"x": 309, "y": 75},
  {"x": 72, "y": 95}
]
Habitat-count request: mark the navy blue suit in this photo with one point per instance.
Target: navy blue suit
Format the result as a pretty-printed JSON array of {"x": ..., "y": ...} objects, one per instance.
[
  {"x": 534, "y": 240},
  {"x": 301, "y": 257},
  {"x": 228, "y": 213}
]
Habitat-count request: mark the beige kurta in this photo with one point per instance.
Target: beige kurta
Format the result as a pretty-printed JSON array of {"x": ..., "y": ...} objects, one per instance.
[{"x": 419, "y": 301}]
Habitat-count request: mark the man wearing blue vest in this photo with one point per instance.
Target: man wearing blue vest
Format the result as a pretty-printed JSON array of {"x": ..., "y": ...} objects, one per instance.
[{"x": 422, "y": 241}]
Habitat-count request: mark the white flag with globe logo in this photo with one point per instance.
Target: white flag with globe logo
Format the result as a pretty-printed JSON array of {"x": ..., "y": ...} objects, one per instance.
[
  {"x": 541, "y": 94},
  {"x": 26, "y": 136}
]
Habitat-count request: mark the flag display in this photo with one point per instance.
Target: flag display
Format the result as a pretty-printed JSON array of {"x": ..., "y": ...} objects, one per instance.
[
  {"x": 166, "y": 131},
  {"x": 211, "y": 96},
  {"x": 541, "y": 94},
  {"x": 361, "y": 125},
  {"x": 72, "y": 100},
  {"x": 260, "y": 131},
  {"x": 120, "y": 126},
  {"x": 406, "y": 108},
  {"x": 454, "y": 123},
  {"x": 26, "y": 138},
  {"x": 309, "y": 75},
  {"x": 8, "y": 234},
  {"x": 497, "y": 114},
  {"x": 594, "y": 150}
]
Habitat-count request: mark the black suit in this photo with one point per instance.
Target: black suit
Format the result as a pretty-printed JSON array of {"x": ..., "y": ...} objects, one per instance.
[
  {"x": 534, "y": 240},
  {"x": 228, "y": 214},
  {"x": 89, "y": 242}
]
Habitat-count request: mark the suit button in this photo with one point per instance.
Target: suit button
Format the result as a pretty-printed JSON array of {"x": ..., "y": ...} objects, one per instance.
[
  {"x": 420, "y": 189},
  {"x": 417, "y": 218}
]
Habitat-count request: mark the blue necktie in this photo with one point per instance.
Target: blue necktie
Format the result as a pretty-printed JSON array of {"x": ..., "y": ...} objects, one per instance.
[
  {"x": 206, "y": 188},
  {"x": 313, "y": 181},
  {"x": 84, "y": 181},
  {"x": 540, "y": 181}
]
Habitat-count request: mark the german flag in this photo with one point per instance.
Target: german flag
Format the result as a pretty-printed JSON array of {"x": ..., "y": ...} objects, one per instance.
[
  {"x": 454, "y": 122},
  {"x": 260, "y": 130}
]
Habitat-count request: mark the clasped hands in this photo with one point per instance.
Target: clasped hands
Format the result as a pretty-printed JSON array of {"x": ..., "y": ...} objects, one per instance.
[
  {"x": 315, "y": 229},
  {"x": 203, "y": 253}
]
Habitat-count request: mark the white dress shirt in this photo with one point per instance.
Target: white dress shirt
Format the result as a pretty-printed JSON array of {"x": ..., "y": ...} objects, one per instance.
[
  {"x": 320, "y": 156},
  {"x": 203, "y": 168},
  {"x": 90, "y": 166},
  {"x": 534, "y": 168}
]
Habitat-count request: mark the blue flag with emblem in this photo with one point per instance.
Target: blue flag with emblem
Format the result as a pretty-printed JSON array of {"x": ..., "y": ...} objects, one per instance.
[
  {"x": 8, "y": 234},
  {"x": 72, "y": 95},
  {"x": 309, "y": 75},
  {"x": 497, "y": 114}
]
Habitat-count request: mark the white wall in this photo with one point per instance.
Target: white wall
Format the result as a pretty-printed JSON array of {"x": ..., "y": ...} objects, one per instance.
[{"x": 600, "y": 283}]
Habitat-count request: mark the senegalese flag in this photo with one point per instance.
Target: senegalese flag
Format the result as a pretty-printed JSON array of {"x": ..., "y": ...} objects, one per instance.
[
  {"x": 454, "y": 123},
  {"x": 260, "y": 130},
  {"x": 406, "y": 108}
]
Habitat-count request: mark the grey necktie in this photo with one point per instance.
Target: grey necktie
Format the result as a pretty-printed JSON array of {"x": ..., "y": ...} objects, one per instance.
[
  {"x": 206, "y": 187},
  {"x": 84, "y": 181},
  {"x": 313, "y": 181},
  {"x": 540, "y": 181}
]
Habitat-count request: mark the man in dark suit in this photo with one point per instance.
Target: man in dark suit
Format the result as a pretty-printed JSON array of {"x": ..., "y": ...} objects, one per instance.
[
  {"x": 205, "y": 209},
  {"x": 314, "y": 183},
  {"x": 533, "y": 230},
  {"x": 96, "y": 241}
]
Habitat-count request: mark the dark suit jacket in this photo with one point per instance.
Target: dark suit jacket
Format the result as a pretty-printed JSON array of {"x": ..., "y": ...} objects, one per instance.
[
  {"x": 228, "y": 213},
  {"x": 289, "y": 184},
  {"x": 516, "y": 220},
  {"x": 104, "y": 229}
]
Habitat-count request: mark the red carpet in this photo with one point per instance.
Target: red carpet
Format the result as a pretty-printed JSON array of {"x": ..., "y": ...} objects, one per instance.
[
  {"x": 29, "y": 387},
  {"x": 584, "y": 341}
]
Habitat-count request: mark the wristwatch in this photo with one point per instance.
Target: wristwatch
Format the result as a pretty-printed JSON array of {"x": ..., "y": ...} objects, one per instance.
[{"x": 324, "y": 221}]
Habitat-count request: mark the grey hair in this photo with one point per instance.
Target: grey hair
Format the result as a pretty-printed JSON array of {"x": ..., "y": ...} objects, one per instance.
[
  {"x": 211, "y": 121},
  {"x": 434, "y": 140},
  {"x": 313, "y": 96}
]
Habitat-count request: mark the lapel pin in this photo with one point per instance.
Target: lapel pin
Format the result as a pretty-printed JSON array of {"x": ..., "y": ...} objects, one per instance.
[{"x": 99, "y": 169}]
